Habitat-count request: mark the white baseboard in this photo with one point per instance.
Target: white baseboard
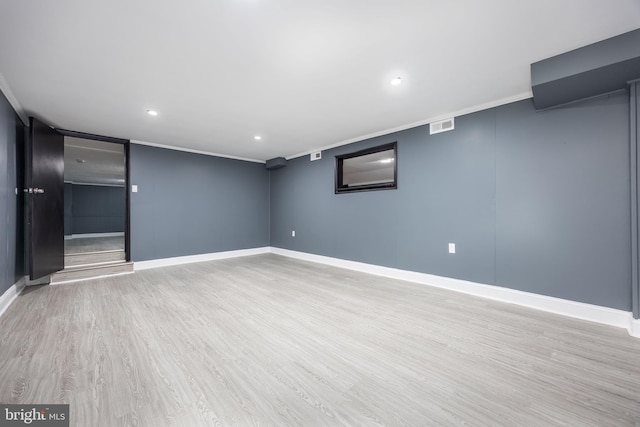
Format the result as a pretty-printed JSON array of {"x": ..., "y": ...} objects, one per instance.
[
  {"x": 165, "y": 262},
  {"x": 11, "y": 294},
  {"x": 578, "y": 310},
  {"x": 88, "y": 235},
  {"x": 634, "y": 327}
]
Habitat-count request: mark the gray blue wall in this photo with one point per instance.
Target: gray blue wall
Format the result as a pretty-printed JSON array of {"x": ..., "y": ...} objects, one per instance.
[
  {"x": 11, "y": 204},
  {"x": 190, "y": 204},
  {"x": 535, "y": 201},
  {"x": 93, "y": 209}
]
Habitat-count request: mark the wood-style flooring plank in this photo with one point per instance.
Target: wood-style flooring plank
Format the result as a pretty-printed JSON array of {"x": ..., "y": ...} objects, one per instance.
[{"x": 267, "y": 340}]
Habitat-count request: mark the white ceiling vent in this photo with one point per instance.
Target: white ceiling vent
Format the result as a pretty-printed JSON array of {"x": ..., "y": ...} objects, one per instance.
[{"x": 441, "y": 126}]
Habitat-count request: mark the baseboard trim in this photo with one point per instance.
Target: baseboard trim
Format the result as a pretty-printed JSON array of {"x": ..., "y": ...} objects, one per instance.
[
  {"x": 11, "y": 294},
  {"x": 88, "y": 235},
  {"x": 577, "y": 310},
  {"x": 634, "y": 327},
  {"x": 165, "y": 262}
]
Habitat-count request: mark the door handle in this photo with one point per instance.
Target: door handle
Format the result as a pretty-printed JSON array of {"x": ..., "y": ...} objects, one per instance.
[{"x": 35, "y": 190}]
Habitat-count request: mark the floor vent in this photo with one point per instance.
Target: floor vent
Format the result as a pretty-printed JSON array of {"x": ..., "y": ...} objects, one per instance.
[{"x": 441, "y": 126}]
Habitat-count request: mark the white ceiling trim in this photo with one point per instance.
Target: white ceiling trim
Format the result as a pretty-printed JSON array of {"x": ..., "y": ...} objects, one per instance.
[
  {"x": 188, "y": 150},
  {"x": 474, "y": 109},
  {"x": 8, "y": 93}
]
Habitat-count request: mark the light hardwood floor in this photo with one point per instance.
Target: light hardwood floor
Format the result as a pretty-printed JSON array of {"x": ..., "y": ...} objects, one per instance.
[
  {"x": 271, "y": 341},
  {"x": 93, "y": 244}
]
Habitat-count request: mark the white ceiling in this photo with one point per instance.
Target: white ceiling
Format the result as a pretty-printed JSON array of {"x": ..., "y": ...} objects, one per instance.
[
  {"x": 93, "y": 162},
  {"x": 303, "y": 75}
]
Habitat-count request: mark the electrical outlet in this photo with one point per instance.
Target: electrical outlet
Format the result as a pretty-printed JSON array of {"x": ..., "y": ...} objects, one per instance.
[
  {"x": 452, "y": 248},
  {"x": 293, "y": 233}
]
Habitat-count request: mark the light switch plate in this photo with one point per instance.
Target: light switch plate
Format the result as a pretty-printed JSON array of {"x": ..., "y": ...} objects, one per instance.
[
  {"x": 452, "y": 248},
  {"x": 134, "y": 188}
]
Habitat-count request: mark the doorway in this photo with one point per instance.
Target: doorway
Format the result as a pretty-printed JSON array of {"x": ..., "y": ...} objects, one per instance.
[
  {"x": 90, "y": 163},
  {"x": 95, "y": 201}
]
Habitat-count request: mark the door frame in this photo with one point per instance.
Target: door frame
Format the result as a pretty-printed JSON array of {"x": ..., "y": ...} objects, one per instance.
[{"x": 127, "y": 193}]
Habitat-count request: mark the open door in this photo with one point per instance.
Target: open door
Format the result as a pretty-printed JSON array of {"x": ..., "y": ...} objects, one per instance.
[{"x": 45, "y": 188}]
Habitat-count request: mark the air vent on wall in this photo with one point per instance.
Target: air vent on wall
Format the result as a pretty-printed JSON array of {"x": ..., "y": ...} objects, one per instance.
[
  {"x": 441, "y": 126},
  {"x": 317, "y": 155}
]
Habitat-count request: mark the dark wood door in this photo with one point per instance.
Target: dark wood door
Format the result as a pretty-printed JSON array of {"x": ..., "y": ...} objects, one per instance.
[{"x": 45, "y": 188}]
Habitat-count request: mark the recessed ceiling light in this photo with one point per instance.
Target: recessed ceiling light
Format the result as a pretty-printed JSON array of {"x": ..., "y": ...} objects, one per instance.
[
  {"x": 396, "y": 81},
  {"x": 152, "y": 112},
  {"x": 257, "y": 137}
]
